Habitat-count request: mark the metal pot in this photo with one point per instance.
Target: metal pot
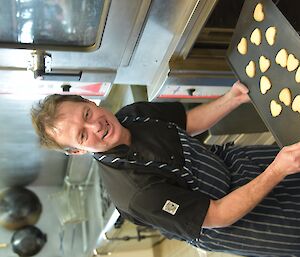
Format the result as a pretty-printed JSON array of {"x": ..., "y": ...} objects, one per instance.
[
  {"x": 27, "y": 241},
  {"x": 19, "y": 207}
]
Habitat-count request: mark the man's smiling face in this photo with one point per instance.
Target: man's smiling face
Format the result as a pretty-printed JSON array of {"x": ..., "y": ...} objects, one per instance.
[{"x": 87, "y": 127}]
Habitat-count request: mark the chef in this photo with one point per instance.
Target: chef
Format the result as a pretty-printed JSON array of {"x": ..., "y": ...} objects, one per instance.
[{"x": 243, "y": 200}]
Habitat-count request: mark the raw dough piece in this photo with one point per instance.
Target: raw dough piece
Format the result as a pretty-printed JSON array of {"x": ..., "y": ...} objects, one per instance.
[
  {"x": 297, "y": 76},
  {"x": 242, "y": 46},
  {"x": 255, "y": 37},
  {"x": 292, "y": 63},
  {"x": 264, "y": 63},
  {"x": 275, "y": 108},
  {"x": 265, "y": 84},
  {"x": 250, "y": 69},
  {"x": 270, "y": 35},
  {"x": 285, "y": 96},
  {"x": 296, "y": 104},
  {"x": 281, "y": 58},
  {"x": 259, "y": 13}
]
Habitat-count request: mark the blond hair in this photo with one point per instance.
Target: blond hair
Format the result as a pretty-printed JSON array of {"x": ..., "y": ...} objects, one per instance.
[{"x": 44, "y": 116}]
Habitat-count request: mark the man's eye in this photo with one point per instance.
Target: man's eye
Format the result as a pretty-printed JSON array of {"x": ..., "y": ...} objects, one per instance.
[
  {"x": 82, "y": 137},
  {"x": 87, "y": 114}
]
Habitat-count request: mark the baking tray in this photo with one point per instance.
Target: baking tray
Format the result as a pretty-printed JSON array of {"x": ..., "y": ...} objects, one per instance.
[{"x": 285, "y": 127}]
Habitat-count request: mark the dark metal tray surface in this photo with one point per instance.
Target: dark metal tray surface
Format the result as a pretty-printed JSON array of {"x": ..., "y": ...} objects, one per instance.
[{"x": 285, "y": 127}]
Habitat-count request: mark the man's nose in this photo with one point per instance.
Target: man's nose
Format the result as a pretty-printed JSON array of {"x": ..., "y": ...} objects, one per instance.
[{"x": 94, "y": 126}]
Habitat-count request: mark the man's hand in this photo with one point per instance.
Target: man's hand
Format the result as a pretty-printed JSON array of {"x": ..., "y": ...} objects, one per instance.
[
  {"x": 287, "y": 161},
  {"x": 205, "y": 116},
  {"x": 239, "y": 92}
]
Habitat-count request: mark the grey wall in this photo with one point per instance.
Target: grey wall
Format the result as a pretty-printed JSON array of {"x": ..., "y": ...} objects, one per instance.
[{"x": 22, "y": 161}]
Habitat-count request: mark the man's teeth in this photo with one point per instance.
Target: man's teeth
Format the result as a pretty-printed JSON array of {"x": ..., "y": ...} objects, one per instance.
[{"x": 105, "y": 133}]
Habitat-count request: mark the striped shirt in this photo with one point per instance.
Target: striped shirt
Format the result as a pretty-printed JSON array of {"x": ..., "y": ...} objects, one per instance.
[{"x": 271, "y": 229}]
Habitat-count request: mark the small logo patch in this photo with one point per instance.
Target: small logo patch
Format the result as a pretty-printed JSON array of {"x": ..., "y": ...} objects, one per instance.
[{"x": 170, "y": 207}]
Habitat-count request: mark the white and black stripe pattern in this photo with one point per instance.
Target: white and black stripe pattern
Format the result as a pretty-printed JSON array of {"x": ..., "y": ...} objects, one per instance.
[
  {"x": 207, "y": 171},
  {"x": 273, "y": 227}
]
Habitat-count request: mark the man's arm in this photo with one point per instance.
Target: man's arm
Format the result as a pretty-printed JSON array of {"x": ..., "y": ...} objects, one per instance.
[
  {"x": 203, "y": 117},
  {"x": 238, "y": 203}
]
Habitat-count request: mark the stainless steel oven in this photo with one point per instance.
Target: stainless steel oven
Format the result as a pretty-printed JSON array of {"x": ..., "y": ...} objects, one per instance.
[{"x": 198, "y": 70}]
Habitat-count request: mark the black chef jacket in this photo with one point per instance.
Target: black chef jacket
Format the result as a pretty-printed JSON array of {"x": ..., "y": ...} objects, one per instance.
[{"x": 136, "y": 184}]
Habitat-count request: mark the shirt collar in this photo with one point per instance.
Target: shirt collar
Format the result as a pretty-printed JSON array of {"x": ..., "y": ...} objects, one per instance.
[{"x": 120, "y": 151}]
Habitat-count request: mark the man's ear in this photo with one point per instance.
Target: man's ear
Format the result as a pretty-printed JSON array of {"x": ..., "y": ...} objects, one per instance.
[{"x": 75, "y": 151}]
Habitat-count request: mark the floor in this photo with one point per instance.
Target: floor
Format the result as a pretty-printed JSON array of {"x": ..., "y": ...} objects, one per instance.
[
  {"x": 173, "y": 248},
  {"x": 152, "y": 246}
]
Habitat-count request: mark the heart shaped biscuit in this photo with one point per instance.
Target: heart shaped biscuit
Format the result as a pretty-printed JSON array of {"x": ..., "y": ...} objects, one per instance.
[
  {"x": 275, "y": 108},
  {"x": 265, "y": 84},
  {"x": 285, "y": 96},
  {"x": 242, "y": 46},
  {"x": 264, "y": 63},
  {"x": 259, "y": 13},
  {"x": 255, "y": 37},
  {"x": 296, "y": 104},
  {"x": 250, "y": 69},
  {"x": 281, "y": 58},
  {"x": 270, "y": 35},
  {"x": 292, "y": 63},
  {"x": 297, "y": 76}
]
